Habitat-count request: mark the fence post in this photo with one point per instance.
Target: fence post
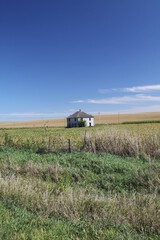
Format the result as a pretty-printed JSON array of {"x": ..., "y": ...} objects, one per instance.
[
  {"x": 6, "y": 145},
  {"x": 69, "y": 145}
]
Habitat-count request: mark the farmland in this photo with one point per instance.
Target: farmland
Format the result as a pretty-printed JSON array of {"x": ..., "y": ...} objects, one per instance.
[
  {"x": 125, "y": 140},
  {"x": 99, "y": 119},
  {"x": 107, "y": 188}
]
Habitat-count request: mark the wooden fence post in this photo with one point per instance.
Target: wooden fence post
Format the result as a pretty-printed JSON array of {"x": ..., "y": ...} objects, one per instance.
[{"x": 69, "y": 145}]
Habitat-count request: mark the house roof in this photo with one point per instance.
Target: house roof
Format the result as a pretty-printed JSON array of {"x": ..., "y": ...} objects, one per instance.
[{"x": 80, "y": 114}]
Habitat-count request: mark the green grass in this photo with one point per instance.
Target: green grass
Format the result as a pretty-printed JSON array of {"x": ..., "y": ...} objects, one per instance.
[
  {"x": 141, "y": 122},
  {"x": 78, "y": 196},
  {"x": 17, "y": 223},
  {"x": 102, "y": 171},
  {"x": 51, "y": 194}
]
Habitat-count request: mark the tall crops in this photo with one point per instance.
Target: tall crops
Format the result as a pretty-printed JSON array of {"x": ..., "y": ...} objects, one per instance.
[{"x": 142, "y": 141}]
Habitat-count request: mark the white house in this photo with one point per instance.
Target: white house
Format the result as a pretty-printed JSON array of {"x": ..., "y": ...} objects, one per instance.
[{"x": 74, "y": 119}]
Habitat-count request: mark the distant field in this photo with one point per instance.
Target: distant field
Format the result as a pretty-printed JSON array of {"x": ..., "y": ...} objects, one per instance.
[{"x": 99, "y": 119}]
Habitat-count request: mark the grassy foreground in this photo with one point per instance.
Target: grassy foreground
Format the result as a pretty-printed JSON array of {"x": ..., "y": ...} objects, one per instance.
[{"x": 78, "y": 196}]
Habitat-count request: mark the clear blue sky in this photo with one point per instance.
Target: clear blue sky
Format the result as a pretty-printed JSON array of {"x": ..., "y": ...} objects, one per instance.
[{"x": 57, "y": 56}]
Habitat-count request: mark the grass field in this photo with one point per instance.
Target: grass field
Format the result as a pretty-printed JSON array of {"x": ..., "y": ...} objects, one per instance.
[
  {"x": 99, "y": 119},
  {"x": 107, "y": 188},
  {"x": 125, "y": 140},
  {"x": 78, "y": 196}
]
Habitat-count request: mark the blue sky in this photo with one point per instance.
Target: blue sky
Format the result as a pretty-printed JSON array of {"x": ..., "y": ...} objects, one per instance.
[{"x": 58, "y": 56}]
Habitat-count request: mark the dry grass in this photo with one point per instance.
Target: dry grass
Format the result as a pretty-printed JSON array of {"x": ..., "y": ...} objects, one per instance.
[
  {"x": 142, "y": 141},
  {"x": 99, "y": 119},
  {"x": 123, "y": 143},
  {"x": 140, "y": 211},
  {"x": 109, "y": 195}
]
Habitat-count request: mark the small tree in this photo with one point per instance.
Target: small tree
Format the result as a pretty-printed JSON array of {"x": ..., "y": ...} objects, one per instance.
[{"x": 81, "y": 123}]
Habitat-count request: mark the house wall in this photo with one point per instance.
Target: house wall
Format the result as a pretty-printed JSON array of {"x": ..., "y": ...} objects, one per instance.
[
  {"x": 74, "y": 122},
  {"x": 89, "y": 121}
]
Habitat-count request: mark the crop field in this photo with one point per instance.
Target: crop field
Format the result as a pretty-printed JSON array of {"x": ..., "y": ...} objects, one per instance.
[
  {"x": 137, "y": 140},
  {"x": 99, "y": 119},
  {"x": 108, "y": 187}
]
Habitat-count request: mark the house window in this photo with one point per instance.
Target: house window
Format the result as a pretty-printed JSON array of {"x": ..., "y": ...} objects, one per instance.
[{"x": 89, "y": 119}]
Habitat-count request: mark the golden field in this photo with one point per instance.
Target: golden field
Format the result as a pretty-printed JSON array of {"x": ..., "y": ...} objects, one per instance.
[{"x": 99, "y": 119}]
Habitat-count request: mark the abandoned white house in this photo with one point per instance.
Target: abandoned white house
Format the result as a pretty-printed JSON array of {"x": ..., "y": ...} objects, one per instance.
[{"x": 77, "y": 118}]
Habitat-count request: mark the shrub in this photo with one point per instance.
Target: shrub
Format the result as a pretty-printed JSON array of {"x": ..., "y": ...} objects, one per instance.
[{"x": 81, "y": 123}]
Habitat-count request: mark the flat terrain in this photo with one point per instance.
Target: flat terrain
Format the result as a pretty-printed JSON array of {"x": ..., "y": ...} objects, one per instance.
[
  {"x": 107, "y": 188},
  {"x": 99, "y": 119},
  {"x": 78, "y": 196}
]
